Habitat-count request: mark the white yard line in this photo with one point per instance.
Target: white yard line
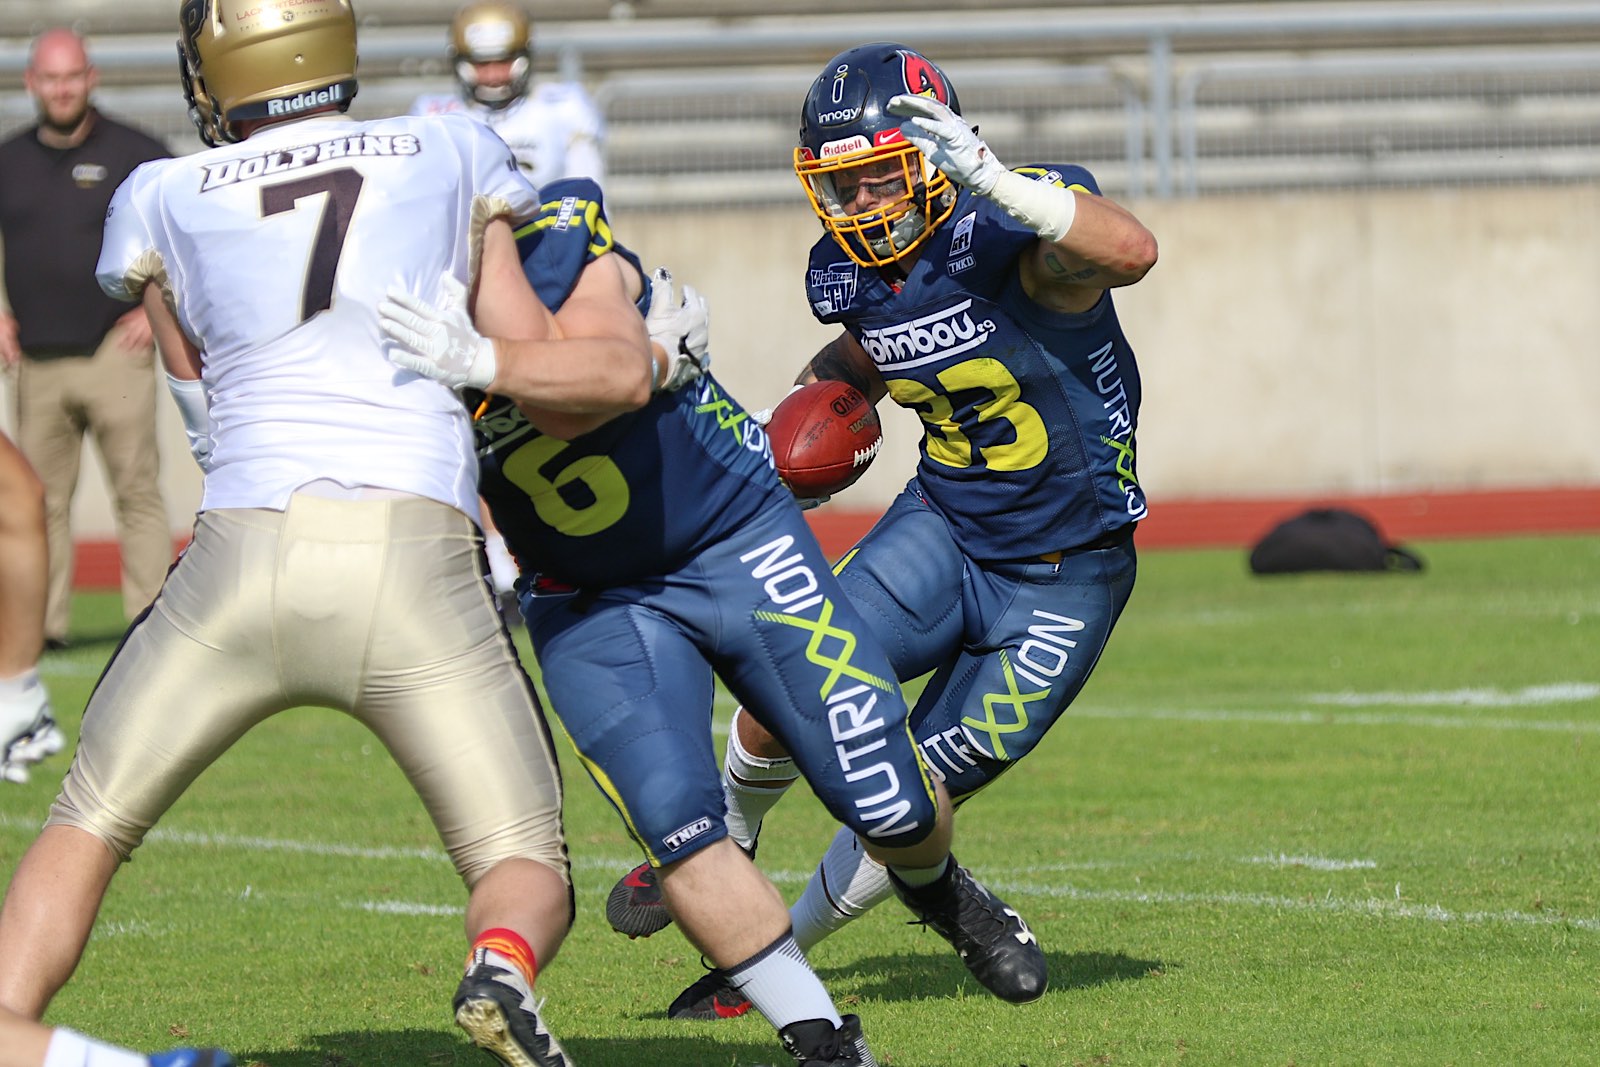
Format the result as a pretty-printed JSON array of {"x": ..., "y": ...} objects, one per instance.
[
  {"x": 1376, "y": 908},
  {"x": 1315, "y": 863},
  {"x": 397, "y": 907},
  {"x": 1371, "y": 907},
  {"x": 311, "y": 848},
  {"x": 1002, "y": 880},
  {"x": 1529, "y": 696},
  {"x": 1336, "y": 718}
]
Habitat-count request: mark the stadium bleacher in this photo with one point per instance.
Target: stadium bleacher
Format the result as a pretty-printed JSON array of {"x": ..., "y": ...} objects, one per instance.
[{"x": 1159, "y": 99}]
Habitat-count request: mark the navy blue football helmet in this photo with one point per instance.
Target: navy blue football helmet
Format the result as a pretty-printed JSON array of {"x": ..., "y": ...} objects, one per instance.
[{"x": 852, "y": 148}]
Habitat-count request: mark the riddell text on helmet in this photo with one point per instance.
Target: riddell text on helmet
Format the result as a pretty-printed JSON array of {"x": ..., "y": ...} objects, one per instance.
[{"x": 288, "y": 105}]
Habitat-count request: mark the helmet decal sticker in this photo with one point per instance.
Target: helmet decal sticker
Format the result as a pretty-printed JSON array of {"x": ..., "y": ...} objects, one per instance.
[{"x": 924, "y": 79}]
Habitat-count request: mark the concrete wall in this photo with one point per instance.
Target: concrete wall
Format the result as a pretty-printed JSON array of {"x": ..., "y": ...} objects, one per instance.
[{"x": 1291, "y": 345}]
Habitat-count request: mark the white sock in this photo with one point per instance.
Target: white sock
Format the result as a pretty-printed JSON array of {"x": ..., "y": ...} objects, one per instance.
[
  {"x": 68, "y": 1048},
  {"x": 846, "y": 884},
  {"x": 782, "y": 985},
  {"x": 920, "y": 876},
  {"x": 503, "y": 571},
  {"x": 751, "y": 785},
  {"x": 19, "y": 685}
]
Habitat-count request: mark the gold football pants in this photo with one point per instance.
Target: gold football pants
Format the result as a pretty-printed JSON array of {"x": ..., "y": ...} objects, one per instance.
[{"x": 377, "y": 608}]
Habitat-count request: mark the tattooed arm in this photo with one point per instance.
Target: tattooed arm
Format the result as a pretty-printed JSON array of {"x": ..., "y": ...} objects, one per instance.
[
  {"x": 843, "y": 359},
  {"x": 1105, "y": 247}
]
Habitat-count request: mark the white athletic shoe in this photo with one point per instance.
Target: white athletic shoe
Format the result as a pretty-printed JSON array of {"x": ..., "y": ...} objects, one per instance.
[{"x": 28, "y": 731}]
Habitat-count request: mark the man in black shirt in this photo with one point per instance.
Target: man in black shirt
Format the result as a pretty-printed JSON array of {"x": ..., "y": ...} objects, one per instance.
[{"x": 83, "y": 361}]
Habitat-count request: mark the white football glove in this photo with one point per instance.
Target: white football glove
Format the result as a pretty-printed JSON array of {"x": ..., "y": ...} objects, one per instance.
[
  {"x": 681, "y": 328},
  {"x": 28, "y": 733},
  {"x": 947, "y": 142},
  {"x": 438, "y": 342},
  {"x": 764, "y": 416}
]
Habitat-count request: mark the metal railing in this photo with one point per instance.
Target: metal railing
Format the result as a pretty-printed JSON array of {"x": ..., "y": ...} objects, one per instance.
[{"x": 1158, "y": 101}]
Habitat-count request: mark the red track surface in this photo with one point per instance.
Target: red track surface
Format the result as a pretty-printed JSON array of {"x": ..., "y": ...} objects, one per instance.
[
  {"x": 1240, "y": 523},
  {"x": 1210, "y": 523}
]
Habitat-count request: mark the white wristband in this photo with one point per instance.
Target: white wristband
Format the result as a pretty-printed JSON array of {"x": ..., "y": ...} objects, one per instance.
[{"x": 1046, "y": 209}]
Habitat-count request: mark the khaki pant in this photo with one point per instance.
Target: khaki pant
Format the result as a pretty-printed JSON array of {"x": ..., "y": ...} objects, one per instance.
[
  {"x": 111, "y": 395},
  {"x": 379, "y": 609}
]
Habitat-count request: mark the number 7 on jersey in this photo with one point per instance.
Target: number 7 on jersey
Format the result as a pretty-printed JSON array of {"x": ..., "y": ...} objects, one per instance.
[{"x": 343, "y": 187}]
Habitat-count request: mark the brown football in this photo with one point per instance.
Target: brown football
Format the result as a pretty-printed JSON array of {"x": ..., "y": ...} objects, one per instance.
[{"x": 823, "y": 437}]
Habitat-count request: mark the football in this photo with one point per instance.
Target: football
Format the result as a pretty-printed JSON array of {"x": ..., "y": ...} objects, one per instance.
[{"x": 823, "y": 437}]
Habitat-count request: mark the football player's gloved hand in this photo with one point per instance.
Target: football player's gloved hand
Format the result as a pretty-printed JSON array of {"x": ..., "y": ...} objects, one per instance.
[
  {"x": 200, "y": 447},
  {"x": 947, "y": 142},
  {"x": 764, "y": 416},
  {"x": 191, "y": 1057},
  {"x": 681, "y": 328},
  {"x": 808, "y": 502},
  {"x": 944, "y": 138},
  {"x": 438, "y": 342},
  {"x": 28, "y": 732}
]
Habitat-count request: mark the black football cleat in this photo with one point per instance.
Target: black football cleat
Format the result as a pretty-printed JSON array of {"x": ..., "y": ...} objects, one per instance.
[
  {"x": 635, "y": 906},
  {"x": 496, "y": 1008},
  {"x": 711, "y": 997},
  {"x": 986, "y": 932},
  {"x": 818, "y": 1043}
]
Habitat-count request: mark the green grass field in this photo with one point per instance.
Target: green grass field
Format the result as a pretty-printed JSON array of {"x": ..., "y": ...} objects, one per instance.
[{"x": 1307, "y": 820}]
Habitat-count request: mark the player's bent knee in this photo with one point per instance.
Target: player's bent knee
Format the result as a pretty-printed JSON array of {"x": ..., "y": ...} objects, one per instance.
[
  {"x": 118, "y": 836},
  {"x": 475, "y": 859},
  {"x": 891, "y": 819}
]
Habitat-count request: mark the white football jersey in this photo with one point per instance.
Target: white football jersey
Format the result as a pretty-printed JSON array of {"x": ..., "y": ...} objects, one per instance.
[
  {"x": 275, "y": 253},
  {"x": 555, "y": 131}
]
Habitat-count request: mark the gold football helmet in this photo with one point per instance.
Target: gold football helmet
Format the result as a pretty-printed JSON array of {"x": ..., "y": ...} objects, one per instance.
[
  {"x": 491, "y": 31},
  {"x": 256, "y": 59}
]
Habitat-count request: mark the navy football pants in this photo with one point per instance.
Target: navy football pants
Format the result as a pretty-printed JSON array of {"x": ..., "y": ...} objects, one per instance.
[
  {"x": 629, "y": 673},
  {"x": 1009, "y": 644}
]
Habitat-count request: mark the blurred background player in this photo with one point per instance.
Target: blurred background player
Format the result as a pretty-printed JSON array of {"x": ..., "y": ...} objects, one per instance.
[
  {"x": 553, "y": 129},
  {"x": 1006, "y": 562},
  {"x": 84, "y": 362},
  {"x": 28, "y": 732},
  {"x": 635, "y": 599},
  {"x": 336, "y": 559},
  {"x": 25, "y": 1043}
]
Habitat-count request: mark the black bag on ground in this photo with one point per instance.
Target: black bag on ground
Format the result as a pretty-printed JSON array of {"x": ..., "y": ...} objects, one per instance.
[{"x": 1328, "y": 539}]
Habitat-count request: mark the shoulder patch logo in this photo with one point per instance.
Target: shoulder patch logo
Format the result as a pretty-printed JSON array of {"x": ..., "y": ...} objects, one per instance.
[
  {"x": 835, "y": 285},
  {"x": 961, "y": 243}
]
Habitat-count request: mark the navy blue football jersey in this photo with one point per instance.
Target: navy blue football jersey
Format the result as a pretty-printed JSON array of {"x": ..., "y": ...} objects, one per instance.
[
  {"x": 639, "y": 495},
  {"x": 1028, "y": 414}
]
